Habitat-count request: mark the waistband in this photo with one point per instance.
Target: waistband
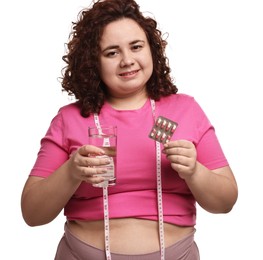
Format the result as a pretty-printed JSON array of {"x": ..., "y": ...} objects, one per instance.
[{"x": 183, "y": 249}]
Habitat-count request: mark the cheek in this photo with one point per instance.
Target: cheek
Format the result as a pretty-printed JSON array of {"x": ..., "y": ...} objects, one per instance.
[
  {"x": 106, "y": 70},
  {"x": 147, "y": 61},
  {"x": 148, "y": 66}
]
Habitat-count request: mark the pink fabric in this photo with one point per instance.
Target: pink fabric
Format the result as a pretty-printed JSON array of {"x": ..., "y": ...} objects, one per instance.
[{"x": 135, "y": 192}]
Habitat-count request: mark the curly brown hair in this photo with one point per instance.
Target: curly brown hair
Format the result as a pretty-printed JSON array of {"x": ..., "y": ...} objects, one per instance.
[{"x": 81, "y": 75}]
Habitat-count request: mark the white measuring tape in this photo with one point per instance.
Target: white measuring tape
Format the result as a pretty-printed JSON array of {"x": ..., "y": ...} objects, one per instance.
[
  {"x": 106, "y": 223},
  {"x": 159, "y": 189},
  {"x": 159, "y": 197},
  {"x": 105, "y": 203}
]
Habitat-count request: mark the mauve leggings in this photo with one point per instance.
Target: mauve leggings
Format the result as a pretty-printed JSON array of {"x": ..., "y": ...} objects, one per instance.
[{"x": 71, "y": 248}]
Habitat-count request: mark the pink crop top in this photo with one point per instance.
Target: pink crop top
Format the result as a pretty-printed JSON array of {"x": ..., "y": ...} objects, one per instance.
[{"x": 134, "y": 195}]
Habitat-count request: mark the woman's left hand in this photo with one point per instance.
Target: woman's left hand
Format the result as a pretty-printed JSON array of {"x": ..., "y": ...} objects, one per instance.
[{"x": 182, "y": 155}]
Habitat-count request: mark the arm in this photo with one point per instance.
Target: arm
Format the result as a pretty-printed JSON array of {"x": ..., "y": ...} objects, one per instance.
[
  {"x": 215, "y": 190},
  {"x": 43, "y": 198}
]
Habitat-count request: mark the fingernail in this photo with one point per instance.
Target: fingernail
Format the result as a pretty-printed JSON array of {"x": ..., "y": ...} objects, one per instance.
[{"x": 108, "y": 160}]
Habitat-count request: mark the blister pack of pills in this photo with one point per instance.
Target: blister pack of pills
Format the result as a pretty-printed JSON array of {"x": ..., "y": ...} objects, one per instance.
[{"x": 163, "y": 129}]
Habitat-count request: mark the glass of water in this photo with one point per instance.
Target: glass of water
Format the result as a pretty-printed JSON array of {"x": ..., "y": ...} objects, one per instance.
[{"x": 105, "y": 137}]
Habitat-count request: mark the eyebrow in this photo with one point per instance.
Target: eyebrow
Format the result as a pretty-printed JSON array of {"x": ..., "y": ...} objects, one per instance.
[{"x": 117, "y": 46}]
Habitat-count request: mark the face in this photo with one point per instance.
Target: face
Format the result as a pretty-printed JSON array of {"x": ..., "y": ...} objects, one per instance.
[{"x": 125, "y": 60}]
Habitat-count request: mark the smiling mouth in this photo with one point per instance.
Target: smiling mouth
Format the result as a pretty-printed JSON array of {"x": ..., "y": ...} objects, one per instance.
[{"x": 129, "y": 73}]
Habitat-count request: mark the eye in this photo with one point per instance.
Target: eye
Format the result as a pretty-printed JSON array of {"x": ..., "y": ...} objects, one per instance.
[
  {"x": 136, "y": 47},
  {"x": 111, "y": 54}
]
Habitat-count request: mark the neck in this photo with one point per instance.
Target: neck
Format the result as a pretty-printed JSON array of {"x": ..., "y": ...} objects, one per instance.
[{"x": 128, "y": 103}]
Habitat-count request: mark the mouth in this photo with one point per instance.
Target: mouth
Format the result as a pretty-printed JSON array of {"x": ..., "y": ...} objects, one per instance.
[{"x": 128, "y": 73}]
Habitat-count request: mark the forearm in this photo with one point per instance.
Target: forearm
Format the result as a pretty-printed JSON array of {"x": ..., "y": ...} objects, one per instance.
[
  {"x": 215, "y": 191},
  {"x": 43, "y": 199}
]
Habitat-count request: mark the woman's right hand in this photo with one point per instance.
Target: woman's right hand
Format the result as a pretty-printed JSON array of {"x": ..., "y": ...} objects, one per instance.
[
  {"x": 86, "y": 164},
  {"x": 42, "y": 200}
]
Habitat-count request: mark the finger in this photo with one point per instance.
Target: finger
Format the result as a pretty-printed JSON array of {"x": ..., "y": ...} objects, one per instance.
[
  {"x": 179, "y": 168},
  {"x": 178, "y": 159},
  {"x": 178, "y": 143},
  {"x": 95, "y": 177},
  {"x": 178, "y": 151},
  {"x": 89, "y": 172},
  {"x": 88, "y": 150},
  {"x": 94, "y": 161},
  {"x": 96, "y": 180}
]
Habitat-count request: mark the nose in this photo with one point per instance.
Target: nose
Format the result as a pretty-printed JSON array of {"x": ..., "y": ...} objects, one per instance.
[{"x": 126, "y": 59}]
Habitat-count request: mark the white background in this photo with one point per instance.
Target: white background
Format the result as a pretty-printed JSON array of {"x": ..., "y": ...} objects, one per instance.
[{"x": 216, "y": 55}]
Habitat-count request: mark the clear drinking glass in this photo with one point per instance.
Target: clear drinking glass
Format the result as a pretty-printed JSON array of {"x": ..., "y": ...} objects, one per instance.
[{"x": 105, "y": 137}]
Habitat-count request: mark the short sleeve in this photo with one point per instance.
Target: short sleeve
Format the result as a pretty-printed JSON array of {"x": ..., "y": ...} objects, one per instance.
[{"x": 53, "y": 151}]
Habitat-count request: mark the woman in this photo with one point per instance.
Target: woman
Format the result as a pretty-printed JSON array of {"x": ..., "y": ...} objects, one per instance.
[{"x": 119, "y": 74}]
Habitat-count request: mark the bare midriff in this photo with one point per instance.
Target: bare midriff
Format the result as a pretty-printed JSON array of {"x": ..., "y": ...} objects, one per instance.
[{"x": 128, "y": 235}]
